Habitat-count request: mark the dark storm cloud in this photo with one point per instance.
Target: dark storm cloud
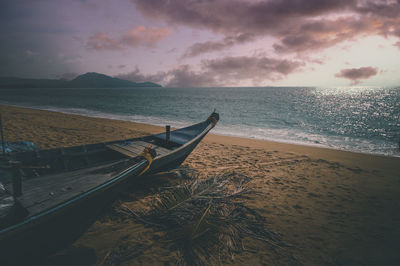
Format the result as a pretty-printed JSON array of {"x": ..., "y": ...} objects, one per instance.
[
  {"x": 299, "y": 25},
  {"x": 236, "y": 16},
  {"x": 222, "y": 71},
  {"x": 247, "y": 20},
  {"x": 357, "y": 74},
  {"x": 315, "y": 35},
  {"x": 382, "y": 8}
]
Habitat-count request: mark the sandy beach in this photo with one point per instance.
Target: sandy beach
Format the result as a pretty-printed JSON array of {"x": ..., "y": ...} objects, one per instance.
[{"x": 331, "y": 207}]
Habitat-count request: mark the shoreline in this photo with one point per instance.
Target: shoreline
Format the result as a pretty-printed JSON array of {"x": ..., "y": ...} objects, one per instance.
[
  {"x": 333, "y": 207},
  {"x": 308, "y": 145}
]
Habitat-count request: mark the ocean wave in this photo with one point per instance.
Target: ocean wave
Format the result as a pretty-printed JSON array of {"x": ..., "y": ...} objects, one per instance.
[
  {"x": 292, "y": 136},
  {"x": 285, "y": 134}
]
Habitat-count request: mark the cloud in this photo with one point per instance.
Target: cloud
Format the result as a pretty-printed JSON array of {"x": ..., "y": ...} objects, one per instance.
[
  {"x": 236, "y": 16},
  {"x": 31, "y": 53},
  {"x": 221, "y": 72},
  {"x": 68, "y": 76},
  {"x": 207, "y": 47},
  {"x": 320, "y": 34},
  {"x": 137, "y": 76},
  {"x": 184, "y": 76},
  {"x": 101, "y": 41},
  {"x": 255, "y": 69},
  {"x": 144, "y": 36},
  {"x": 139, "y": 36},
  {"x": 383, "y": 8},
  {"x": 357, "y": 74},
  {"x": 299, "y": 26},
  {"x": 181, "y": 76}
]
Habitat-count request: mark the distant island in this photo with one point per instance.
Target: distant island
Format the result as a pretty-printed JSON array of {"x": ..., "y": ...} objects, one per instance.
[{"x": 88, "y": 80}]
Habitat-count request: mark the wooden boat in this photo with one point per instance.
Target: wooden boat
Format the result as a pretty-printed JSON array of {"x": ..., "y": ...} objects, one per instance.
[{"x": 63, "y": 190}]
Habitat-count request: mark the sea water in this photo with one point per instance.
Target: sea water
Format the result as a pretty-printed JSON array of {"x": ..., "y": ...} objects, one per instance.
[{"x": 363, "y": 120}]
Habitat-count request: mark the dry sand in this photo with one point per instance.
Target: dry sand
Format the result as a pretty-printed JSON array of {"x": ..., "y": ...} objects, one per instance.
[{"x": 334, "y": 207}]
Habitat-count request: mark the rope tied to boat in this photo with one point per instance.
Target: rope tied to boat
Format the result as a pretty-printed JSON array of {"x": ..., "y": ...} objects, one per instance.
[
  {"x": 212, "y": 118},
  {"x": 148, "y": 153}
]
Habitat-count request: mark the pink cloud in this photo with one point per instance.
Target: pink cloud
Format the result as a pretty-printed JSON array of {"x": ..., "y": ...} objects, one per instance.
[
  {"x": 357, "y": 74},
  {"x": 101, "y": 41},
  {"x": 143, "y": 36},
  {"x": 213, "y": 46},
  {"x": 139, "y": 36}
]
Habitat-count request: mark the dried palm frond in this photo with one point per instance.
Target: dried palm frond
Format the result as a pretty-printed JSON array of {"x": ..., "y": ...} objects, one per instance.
[
  {"x": 121, "y": 254},
  {"x": 206, "y": 220}
]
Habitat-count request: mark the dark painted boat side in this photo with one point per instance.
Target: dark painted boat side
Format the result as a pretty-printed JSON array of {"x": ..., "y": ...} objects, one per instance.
[{"x": 53, "y": 230}]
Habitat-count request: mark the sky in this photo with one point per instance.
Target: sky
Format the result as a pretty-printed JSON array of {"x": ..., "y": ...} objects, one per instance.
[{"x": 205, "y": 43}]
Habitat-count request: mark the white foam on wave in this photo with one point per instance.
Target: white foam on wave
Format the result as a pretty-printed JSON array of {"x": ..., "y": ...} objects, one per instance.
[
  {"x": 277, "y": 135},
  {"x": 292, "y": 136}
]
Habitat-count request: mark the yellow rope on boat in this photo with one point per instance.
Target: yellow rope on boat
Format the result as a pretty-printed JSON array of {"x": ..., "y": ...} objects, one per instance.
[
  {"x": 146, "y": 154},
  {"x": 213, "y": 120}
]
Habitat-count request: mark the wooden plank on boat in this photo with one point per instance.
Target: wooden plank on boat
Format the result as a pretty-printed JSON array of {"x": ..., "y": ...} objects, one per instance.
[
  {"x": 39, "y": 194},
  {"x": 133, "y": 149},
  {"x": 139, "y": 143},
  {"x": 121, "y": 149}
]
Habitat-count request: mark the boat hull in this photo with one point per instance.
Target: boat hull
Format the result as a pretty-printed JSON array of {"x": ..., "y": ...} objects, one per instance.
[
  {"x": 36, "y": 238},
  {"x": 54, "y": 231}
]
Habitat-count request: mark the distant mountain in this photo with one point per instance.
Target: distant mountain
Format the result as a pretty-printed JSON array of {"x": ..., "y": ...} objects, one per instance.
[
  {"x": 88, "y": 80},
  {"x": 96, "y": 80}
]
